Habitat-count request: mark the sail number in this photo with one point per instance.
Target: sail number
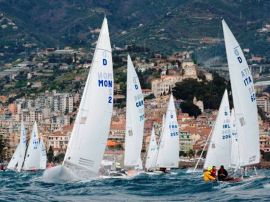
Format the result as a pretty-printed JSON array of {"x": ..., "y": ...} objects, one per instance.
[
  {"x": 224, "y": 137},
  {"x": 248, "y": 83},
  {"x": 173, "y": 130},
  {"x": 139, "y": 103},
  {"x": 104, "y": 62},
  {"x": 35, "y": 143},
  {"x": 236, "y": 52},
  {"x": 110, "y": 99},
  {"x": 246, "y": 76}
]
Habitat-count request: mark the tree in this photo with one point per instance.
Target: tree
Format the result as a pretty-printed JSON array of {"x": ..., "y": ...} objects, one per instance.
[
  {"x": 182, "y": 153},
  {"x": 2, "y": 148},
  {"x": 210, "y": 92},
  {"x": 50, "y": 154},
  {"x": 190, "y": 108},
  {"x": 59, "y": 158},
  {"x": 203, "y": 155},
  {"x": 191, "y": 153}
]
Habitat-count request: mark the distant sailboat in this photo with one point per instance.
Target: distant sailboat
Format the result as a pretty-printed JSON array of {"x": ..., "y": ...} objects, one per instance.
[
  {"x": 219, "y": 148},
  {"x": 134, "y": 119},
  {"x": 91, "y": 128},
  {"x": 244, "y": 99},
  {"x": 32, "y": 158},
  {"x": 168, "y": 150},
  {"x": 150, "y": 163},
  {"x": 17, "y": 159}
]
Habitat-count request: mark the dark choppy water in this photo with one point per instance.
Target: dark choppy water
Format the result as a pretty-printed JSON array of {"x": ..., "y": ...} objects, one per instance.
[{"x": 180, "y": 186}]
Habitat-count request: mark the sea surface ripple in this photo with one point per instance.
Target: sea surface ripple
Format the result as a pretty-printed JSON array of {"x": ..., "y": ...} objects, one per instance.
[{"x": 178, "y": 186}]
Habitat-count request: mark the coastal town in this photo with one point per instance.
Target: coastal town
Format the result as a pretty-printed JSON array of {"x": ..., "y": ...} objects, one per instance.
[{"x": 37, "y": 96}]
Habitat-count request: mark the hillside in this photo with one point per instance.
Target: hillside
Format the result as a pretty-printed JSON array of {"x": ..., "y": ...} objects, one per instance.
[{"x": 164, "y": 26}]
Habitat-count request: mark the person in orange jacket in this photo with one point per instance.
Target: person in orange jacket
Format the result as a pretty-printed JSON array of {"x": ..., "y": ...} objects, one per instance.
[{"x": 207, "y": 175}]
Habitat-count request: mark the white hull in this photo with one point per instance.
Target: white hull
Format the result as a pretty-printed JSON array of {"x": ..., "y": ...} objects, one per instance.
[{"x": 62, "y": 174}]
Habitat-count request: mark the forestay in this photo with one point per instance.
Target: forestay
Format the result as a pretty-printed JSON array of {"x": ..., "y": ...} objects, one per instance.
[
  {"x": 219, "y": 148},
  {"x": 244, "y": 100},
  {"x": 91, "y": 128},
  {"x": 168, "y": 154},
  {"x": 134, "y": 118}
]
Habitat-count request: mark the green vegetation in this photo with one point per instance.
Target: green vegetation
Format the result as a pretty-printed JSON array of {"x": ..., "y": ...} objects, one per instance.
[
  {"x": 50, "y": 154},
  {"x": 2, "y": 148},
  {"x": 209, "y": 92},
  {"x": 162, "y": 26},
  {"x": 190, "y": 108}
]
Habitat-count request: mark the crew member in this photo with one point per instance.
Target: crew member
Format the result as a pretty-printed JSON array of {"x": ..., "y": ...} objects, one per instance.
[{"x": 207, "y": 175}]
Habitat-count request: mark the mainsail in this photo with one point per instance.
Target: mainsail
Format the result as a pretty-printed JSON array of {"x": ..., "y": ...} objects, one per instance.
[
  {"x": 32, "y": 158},
  {"x": 244, "y": 99},
  {"x": 152, "y": 152},
  {"x": 134, "y": 118},
  {"x": 219, "y": 149},
  {"x": 168, "y": 154},
  {"x": 91, "y": 128}
]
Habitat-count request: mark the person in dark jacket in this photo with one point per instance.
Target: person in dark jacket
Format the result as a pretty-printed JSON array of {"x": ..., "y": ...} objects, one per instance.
[{"x": 222, "y": 174}]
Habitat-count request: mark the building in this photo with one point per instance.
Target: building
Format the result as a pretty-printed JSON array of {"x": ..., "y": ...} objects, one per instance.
[
  {"x": 199, "y": 104},
  {"x": 163, "y": 85},
  {"x": 185, "y": 141},
  {"x": 264, "y": 103},
  {"x": 190, "y": 69}
]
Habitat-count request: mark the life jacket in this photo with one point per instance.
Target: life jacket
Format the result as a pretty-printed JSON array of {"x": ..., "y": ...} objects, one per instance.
[{"x": 207, "y": 176}]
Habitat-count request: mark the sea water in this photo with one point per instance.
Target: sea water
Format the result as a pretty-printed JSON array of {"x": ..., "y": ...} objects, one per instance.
[{"x": 177, "y": 186}]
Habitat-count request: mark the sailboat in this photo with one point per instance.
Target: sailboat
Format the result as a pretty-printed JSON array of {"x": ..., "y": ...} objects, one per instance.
[
  {"x": 150, "y": 163},
  {"x": 17, "y": 159},
  {"x": 244, "y": 99},
  {"x": 134, "y": 120},
  {"x": 219, "y": 148},
  {"x": 168, "y": 150},
  {"x": 91, "y": 128},
  {"x": 32, "y": 158}
]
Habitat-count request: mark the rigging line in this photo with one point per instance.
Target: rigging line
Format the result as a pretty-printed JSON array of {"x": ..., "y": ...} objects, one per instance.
[{"x": 207, "y": 140}]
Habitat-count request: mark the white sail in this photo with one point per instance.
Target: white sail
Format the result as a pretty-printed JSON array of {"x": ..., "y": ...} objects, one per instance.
[
  {"x": 17, "y": 159},
  {"x": 168, "y": 154},
  {"x": 91, "y": 128},
  {"x": 134, "y": 118},
  {"x": 152, "y": 152},
  {"x": 12, "y": 165},
  {"x": 244, "y": 100},
  {"x": 219, "y": 149},
  {"x": 43, "y": 155},
  {"x": 234, "y": 143},
  {"x": 32, "y": 158}
]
